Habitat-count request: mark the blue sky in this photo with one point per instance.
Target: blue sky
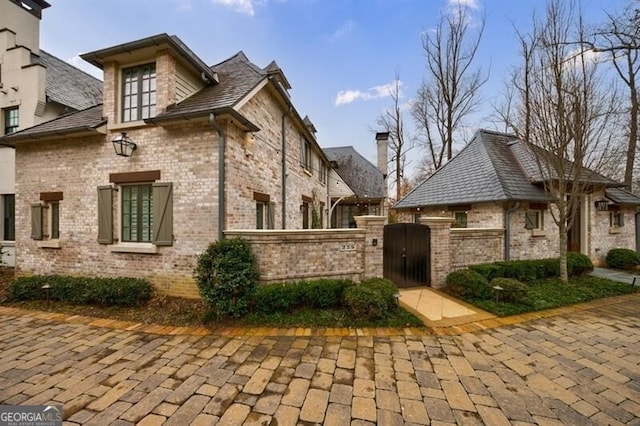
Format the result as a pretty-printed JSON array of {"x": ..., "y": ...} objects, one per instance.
[{"x": 338, "y": 55}]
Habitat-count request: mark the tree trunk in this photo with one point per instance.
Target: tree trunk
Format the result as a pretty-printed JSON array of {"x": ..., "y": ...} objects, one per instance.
[
  {"x": 633, "y": 138},
  {"x": 564, "y": 275}
]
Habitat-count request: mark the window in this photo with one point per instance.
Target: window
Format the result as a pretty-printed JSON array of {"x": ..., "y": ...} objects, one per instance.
[
  {"x": 533, "y": 219},
  {"x": 616, "y": 219},
  {"x": 11, "y": 120},
  {"x": 322, "y": 176},
  {"x": 45, "y": 218},
  {"x": 264, "y": 211},
  {"x": 138, "y": 92},
  {"x": 137, "y": 213},
  {"x": 305, "y": 154},
  {"x": 9, "y": 217},
  {"x": 460, "y": 219},
  {"x": 145, "y": 212}
]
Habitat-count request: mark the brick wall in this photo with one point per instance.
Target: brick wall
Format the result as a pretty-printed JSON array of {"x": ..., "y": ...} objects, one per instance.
[
  {"x": 530, "y": 243},
  {"x": 604, "y": 237},
  {"x": 471, "y": 246}
]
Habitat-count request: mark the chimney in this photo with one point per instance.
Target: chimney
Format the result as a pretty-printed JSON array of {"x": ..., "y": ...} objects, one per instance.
[{"x": 382, "y": 140}]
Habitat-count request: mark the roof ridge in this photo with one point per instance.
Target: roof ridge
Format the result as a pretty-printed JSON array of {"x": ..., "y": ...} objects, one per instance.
[{"x": 65, "y": 63}]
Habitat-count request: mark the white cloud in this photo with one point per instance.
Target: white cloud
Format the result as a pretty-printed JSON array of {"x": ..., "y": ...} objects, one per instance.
[
  {"x": 472, "y": 4},
  {"x": 376, "y": 92},
  {"x": 182, "y": 5},
  {"x": 344, "y": 29},
  {"x": 241, "y": 6},
  {"x": 85, "y": 66}
]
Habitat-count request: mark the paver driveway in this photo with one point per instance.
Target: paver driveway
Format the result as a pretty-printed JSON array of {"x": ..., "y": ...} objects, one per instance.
[{"x": 577, "y": 368}]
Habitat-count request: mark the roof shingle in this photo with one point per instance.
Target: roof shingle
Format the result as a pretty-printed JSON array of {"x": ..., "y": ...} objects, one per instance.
[{"x": 364, "y": 179}]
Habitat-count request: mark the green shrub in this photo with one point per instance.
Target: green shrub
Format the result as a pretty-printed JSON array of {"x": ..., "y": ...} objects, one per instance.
[
  {"x": 321, "y": 293},
  {"x": 280, "y": 297},
  {"x": 386, "y": 288},
  {"x": 621, "y": 258},
  {"x": 578, "y": 264},
  {"x": 227, "y": 277},
  {"x": 468, "y": 284},
  {"x": 81, "y": 290},
  {"x": 488, "y": 270},
  {"x": 513, "y": 291},
  {"x": 364, "y": 302}
]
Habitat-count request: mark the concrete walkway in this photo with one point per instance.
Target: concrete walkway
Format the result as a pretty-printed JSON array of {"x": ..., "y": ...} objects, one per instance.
[
  {"x": 579, "y": 365},
  {"x": 615, "y": 275}
]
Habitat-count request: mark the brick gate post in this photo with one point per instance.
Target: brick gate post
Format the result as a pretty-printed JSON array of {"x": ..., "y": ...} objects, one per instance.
[
  {"x": 440, "y": 244},
  {"x": 373, "y": 254}
]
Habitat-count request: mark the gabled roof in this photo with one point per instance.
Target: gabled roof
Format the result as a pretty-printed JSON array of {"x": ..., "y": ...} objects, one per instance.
[
  {"x": 364, "y": 179},
  {"x": 67, "y": 85},
  {"x": 78, "y": 122},
  {"x": 97, "y": 57},
  {"x": 622, "y": 196},
  {"x": 492, "y": 167}
]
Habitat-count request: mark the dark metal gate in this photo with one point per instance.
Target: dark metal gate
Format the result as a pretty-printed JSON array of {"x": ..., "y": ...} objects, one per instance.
[{"x": 407, "y": 254}]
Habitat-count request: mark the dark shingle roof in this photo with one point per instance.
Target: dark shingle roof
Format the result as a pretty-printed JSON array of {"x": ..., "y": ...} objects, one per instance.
[
  {"x": 86, "y": 120},
  {"x": 364, "y": 179},
  {"x": 237, "y": 75},
  {"x": 67, "y": 85},
  {"x": 485, "y": 170},
  {"x": 622, "y": 196}
]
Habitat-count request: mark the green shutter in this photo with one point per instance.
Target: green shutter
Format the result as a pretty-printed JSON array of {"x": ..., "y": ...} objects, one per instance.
[
  {"x": 36, "y": 221},
  {"x": 531, "y": 220},
  {"x": 271, "y": 220},
  {"x": 162, "y": 214},
  {"x": 105, "y": 215}
]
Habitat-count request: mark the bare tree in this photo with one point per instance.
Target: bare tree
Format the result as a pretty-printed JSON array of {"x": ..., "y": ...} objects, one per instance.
[
  {"x": 620, "y": 39},
  {"x": 451, "y": 87},
  {"x": 392, "y": 121},
  {"x": 567, "y": 111}
]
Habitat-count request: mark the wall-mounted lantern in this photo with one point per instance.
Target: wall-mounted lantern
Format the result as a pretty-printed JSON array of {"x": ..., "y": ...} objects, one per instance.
[{"x": 123, "y": 145}]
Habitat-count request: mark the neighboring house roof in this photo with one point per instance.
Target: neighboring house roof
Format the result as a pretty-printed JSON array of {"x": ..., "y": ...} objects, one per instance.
[
  {"x": 364, "y": 179},
  {"x": 622, "y": 196},
  {"x": 67, "y": 85},
  {"x": 83, "y": 121}
]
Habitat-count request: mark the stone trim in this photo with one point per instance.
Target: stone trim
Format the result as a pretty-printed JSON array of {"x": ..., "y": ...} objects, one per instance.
[
  {"x": 131, "y": 177},
  {"x": 51, "y": 196}
]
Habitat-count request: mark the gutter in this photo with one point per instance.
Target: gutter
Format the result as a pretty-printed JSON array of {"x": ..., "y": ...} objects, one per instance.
[
  {"x": 284, "y": 173},
  {"x": 507, "y": 229},
  {"x": 221, "y": 174}
]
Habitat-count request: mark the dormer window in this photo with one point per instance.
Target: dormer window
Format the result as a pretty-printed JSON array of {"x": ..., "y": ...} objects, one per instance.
[{"x": 139, "y": 92}]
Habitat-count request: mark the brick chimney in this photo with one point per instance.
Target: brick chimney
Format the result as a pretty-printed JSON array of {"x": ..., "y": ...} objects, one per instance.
[{"x": 382, "y": 140}]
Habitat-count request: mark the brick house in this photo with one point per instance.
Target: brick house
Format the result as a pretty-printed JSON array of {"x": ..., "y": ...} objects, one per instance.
[
  {"x": 35, "y": 87},
  {"x": 492, "y": 184},
  {"x": 209, "y": 149}
]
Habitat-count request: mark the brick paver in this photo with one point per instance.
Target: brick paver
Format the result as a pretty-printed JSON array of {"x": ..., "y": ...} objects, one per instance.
[{"x": 578, "y": 365}]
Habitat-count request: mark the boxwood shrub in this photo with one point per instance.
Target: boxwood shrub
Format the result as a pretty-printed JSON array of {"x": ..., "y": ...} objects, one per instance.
[
  {"x": 122, "y": 291},
  {"x": 365, "y": 302},
  {"x": 386, "y": 288},
  {"x": 468, "y": 284},
  {"x": 282, "y": 297},
  {"x": 578, "y": 264},
  {"x": 621, "y": 258},
  {"x": 534, "y": 269}
]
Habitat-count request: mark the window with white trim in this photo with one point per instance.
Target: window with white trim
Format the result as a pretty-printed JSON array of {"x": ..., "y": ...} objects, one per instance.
[{"x": 138, "y": 92}]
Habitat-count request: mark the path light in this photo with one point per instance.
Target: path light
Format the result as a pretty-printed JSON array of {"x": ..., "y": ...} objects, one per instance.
[{"x": 123, "y": 145}]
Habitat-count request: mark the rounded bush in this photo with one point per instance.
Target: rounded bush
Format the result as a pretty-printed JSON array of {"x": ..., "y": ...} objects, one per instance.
[
  {"x": 386, "y": 288},
  {"x": 322, "y": 293},
  {"x": 364, "y": 302},
  {"x": 468, "y": 284},
  {"x": 227, "y": 277},
  {"x": 621, "y": 258},
  {"x": 578, "y": 264},
  {"x": 512, "y": 290},
  {"x": 280, "y": 297}
]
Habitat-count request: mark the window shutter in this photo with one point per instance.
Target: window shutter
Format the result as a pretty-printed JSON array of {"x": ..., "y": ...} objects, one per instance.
[
  {"x": 162, "y": 214},
  {"x": 620, "y": 219},
  {"x": 302, "y": 152},
  {"x": 105, "y": 215},
  {"x": 531, "y": 220},
  {"x": 36, "y": 221}
]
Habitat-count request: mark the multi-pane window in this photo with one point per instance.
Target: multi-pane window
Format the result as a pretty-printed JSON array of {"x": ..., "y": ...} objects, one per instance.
[
  {"x": 55, "y": 219},
  {"x": 616, "y": 219},
  {"x": 138, "y": 92},
  {"x": 11, "y": 120},
  {"x": 460, "y": 219},
  {"x": 322, "y": 176},
  {"x": 137, "y": 213},
  {"x": 8, "y": 217},
  {"x": 261, "y": 209},
  {"x": 305, "y": 154}
]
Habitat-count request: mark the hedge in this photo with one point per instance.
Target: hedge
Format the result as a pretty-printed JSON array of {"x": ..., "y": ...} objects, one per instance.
[
  {"x": 534, "y": 269},
  {"x": 467, "y": 283},
  {"x": 283, "y": 297},
  {"x": 121, "y": 291},
  {"x": 621, "y": 258}
]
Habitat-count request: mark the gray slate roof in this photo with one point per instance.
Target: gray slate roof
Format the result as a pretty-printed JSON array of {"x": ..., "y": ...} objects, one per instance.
[
  {"x": 237, "y": 75},
  {"x": 622, "y": 196},
  {"x": 67, "y": 85},
  {"x": 485, "y": 170},
  {"x": 492, "y": 167},
  {"x": 364, "y": 179}
]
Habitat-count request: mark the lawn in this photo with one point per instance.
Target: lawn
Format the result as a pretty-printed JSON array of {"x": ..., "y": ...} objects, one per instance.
[{"x": 553, "y": 293}]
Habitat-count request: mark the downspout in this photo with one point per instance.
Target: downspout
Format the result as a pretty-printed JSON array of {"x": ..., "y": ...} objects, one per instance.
[
  {"x": 221, "y": 174},
  {"x": 284, "y": 173},
  {"x": 507, "y": 229}
]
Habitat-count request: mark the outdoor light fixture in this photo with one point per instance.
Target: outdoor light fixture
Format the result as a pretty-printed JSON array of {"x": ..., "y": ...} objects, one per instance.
[
  {"x": 123, "y": 145},
  {"x": 602, "y": 205}
]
